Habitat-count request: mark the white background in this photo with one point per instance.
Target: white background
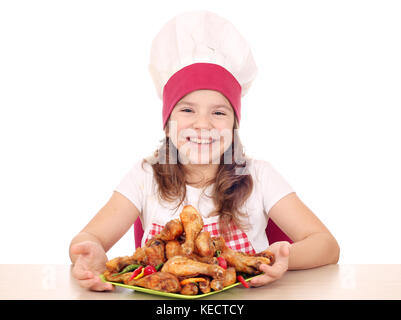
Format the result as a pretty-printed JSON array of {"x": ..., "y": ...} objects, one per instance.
[{"x": 78, "y": 108}]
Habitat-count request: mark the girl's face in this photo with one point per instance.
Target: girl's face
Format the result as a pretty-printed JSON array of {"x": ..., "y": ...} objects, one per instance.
[{"x": 201, "y": 126}]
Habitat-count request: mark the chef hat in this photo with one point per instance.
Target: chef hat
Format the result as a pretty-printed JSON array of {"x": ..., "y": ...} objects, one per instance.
[{"x": 200, "y": 50}]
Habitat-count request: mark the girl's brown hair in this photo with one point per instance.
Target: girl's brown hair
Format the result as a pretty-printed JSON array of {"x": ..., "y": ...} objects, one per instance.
[{"x": 233, "y": 184}]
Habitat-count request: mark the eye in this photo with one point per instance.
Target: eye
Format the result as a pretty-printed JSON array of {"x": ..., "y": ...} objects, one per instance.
[
  {"x": 186, "y": 110},
  {"x": 219, "y": 113}
]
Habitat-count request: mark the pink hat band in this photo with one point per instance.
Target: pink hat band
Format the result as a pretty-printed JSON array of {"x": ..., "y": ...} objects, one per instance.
[{"x": 199, "y": 76}]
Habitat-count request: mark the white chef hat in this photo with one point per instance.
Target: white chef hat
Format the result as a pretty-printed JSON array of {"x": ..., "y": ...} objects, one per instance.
[{"x": 200, "y": 50}]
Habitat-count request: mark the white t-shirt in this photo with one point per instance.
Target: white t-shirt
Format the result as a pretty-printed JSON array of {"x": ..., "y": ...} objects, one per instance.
[{"x": 269, "y": 186}]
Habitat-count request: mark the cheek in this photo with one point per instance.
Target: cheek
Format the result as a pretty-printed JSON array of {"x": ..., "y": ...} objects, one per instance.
[
  {"x": 226, "y": 134},
  {"x": 178, "y": 134}
]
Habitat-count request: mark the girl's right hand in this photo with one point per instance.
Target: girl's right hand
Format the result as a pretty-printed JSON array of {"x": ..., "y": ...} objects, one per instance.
[{"x": 89, "y": 264}]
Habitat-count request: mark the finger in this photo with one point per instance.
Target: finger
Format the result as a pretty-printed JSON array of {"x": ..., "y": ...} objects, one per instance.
[
  {"x": 275, "y": 271},
  {"x": 81, "y": 274},
  {"x": 270, "y": 274},
  {"x": 261, "y": 280},
  {"x": 99, "y": 285},
  {"x": 103, "y": 287},
  {"x": 80, "y": 269},
  {"x": 94, "y": 285},
  {"x": 87, "y": 283}
]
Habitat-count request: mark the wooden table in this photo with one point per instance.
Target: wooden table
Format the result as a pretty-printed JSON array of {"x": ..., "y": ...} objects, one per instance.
[{"x": 54, "y": 282}]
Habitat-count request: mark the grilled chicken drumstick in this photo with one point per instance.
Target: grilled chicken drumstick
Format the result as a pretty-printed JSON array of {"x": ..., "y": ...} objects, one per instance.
[
  {"x": 172, "y": 230},
  {"x": 230, "y": 277},
  {"x": 193, "y": 225},
  {"x": 184, "y": 267},
  {"x": 240, "y": 261},
  {"x": 204, "y": 245},
  {"x": 161, "y": 281}
]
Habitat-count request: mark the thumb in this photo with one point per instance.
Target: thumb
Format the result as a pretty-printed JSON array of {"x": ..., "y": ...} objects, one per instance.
[
  {"x": 285, "y": 249},
  {"x": 81, "y": 248}
]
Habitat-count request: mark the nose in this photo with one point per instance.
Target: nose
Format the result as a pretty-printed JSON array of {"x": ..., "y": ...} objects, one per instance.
[{"x": 202, "y": 121}]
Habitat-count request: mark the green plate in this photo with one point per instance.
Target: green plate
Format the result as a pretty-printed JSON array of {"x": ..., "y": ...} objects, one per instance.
[{"x": 171, "y": 295}]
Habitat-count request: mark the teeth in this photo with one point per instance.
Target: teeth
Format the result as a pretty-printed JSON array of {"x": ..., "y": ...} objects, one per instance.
[{"x": 202, "y": 141}]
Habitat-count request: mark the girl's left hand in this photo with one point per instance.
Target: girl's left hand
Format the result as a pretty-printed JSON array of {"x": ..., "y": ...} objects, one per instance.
[{"x": 281, "y": 250}]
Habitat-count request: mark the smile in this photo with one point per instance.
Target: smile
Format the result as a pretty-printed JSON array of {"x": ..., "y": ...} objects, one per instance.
[{"x": 200, "y": 141}]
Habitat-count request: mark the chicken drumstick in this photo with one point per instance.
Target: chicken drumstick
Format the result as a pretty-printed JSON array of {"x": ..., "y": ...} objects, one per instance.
[{"x": 193, "y": 224}]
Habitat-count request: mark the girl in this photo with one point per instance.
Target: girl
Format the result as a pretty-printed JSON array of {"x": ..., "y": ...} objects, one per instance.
[{"x": 201, "y": 162}]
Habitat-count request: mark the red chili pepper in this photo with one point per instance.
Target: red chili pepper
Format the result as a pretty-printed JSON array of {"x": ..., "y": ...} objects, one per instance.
[
  {"x": 149, "y": 270},
  {"x": 135, "y": 273},
  {"x": 222, "y": 262},
  {"x": 242, "y": 280}
]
